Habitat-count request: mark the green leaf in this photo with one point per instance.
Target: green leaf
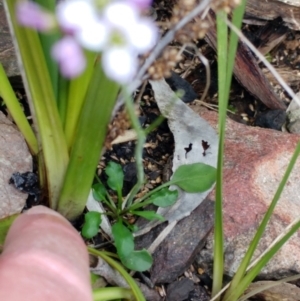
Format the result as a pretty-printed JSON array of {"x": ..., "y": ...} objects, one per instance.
[
  {"x": 92, "y": 221},
  {"x": 138, "y": 260},
  {"x": 5, "y": 224},
  {"x": 90, "y": 136},
  {"x": 197, "y": 177},
  {"x": 163, "y": 197},
  {"x": 123, "y": 239},
  {"x": 118, "y": 267},
  {"x": 115, "y": 176},
  {"x": 150, "y": 215},
  {"x": 99, "y": 192}
]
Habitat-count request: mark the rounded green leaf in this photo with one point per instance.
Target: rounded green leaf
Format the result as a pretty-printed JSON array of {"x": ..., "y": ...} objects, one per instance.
[
  {"x": 164, "y": 197},
  {"x": 123, "y": 239},
  {"x": 150, "y": 215},
  {"x": 115, "y": 176},
  {"x": 92, "y": 221},
  {"x": 99, "y": 192},
  {"x": 197, "y": 177},
  {"x": 138, "y": 260}
]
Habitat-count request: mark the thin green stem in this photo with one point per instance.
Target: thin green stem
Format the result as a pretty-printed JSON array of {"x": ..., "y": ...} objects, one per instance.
[
  {"x": 222, "y": 34},
  {"x": 139, "y": 202},
  {"x": 117, "y": 266},
  {"x": 112, "y": 293},
  {"x": 141, "y": 138}
]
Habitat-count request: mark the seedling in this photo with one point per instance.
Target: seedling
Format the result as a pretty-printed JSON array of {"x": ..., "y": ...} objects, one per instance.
[{"x": 192, "y": 178}]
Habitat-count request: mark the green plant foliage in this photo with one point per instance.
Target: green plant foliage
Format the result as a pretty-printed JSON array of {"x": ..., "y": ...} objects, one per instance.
[
  {"x": 150, "y": 215},
  {"x": 99, "y": 192},
  {"x": 195, "y": 177},
  {"x": 138, "y": 260},
  {"x": 134, "y": 260},
  {"x": 164, "y": 197},
  {"x": 5, "y": 224},
  {"x": 115, "y": 176},
  {"x": 92, "y": 221},
  {"x": 123, "y": 239}
]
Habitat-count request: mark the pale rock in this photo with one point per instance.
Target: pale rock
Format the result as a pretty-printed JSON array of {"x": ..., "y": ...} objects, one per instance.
[
  {"x": 7, "y": 51},
  {"x": 255, "y": 161},
  {"x": 14, "y": 157}
]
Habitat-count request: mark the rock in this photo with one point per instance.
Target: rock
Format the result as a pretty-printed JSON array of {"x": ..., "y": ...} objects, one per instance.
[
  {"x": 255, "y": 161},
  {"x": 278, "y": 292},
  {"x": 7, "y": 51},
  {"x": 175, "y": 254},
  {"x": 176, "y": 82},
  {"x": 199, "y": 294},
  {"x": 293, "y": 121},
  {"x": 14, "y": 157},
  {"x": 130, "y": 177},
  {"x": 179, "y": 290},
  {"x": 271, "y": 119}
]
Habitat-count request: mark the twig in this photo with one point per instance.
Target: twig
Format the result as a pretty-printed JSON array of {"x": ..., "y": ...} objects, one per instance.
[
  {"x": 264, "y": 61},
  {"x": 205, "y": 62},
  {"x": 165, "y": 41}
]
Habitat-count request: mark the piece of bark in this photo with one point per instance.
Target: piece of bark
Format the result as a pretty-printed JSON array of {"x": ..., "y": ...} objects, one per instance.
[
  {"x": 290, "y": 76},
  {"x": 247, "y": 72},
  {"x": 272, "y": 9}
]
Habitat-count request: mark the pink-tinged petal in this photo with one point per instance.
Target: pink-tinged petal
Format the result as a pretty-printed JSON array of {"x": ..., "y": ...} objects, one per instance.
[
  {"x": 141, "y": 4},
  {"x": 32, "y": 15},
  {"x": 119, "y": 64},
  {"x": 69, "y": 56}
]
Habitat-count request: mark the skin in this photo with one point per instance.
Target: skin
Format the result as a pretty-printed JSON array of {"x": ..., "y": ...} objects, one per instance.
[{"x": 44, "y": 258}]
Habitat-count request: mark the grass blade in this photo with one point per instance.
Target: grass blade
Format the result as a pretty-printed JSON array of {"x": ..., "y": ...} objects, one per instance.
[{"x": 90, "y": 136}]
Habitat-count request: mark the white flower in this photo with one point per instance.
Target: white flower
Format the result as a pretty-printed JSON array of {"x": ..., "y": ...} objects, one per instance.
[
  {"x": 79, "y": 18},
  {"x": 119, "y": 64},
  {"x": 117, "y": 30}
]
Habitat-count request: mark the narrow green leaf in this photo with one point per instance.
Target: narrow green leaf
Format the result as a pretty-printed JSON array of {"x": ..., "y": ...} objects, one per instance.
[
  {"x": 123, "y": 239},
  {"x": 138, "y": 260},
  {"x": 5, "y": 224},
  {"x": 14, "y": 107},
  {"x": 76, "y": 95},
  {"x": 117, "y": 266},
  {"x": 89, "y": 139},
  {"x": 47, "y": 41},
  {"x": 42, "y": 104},
  {"x": 195, "y": 177},
  {"x": 112, "y": 293},
  {"x": 150, "y": 215},
  {"x": 92, "y": 221},
  {"x": 164, "y": 197},
  {"x": 115, "y": 176},
  {"x": 99, "y": 192}
]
